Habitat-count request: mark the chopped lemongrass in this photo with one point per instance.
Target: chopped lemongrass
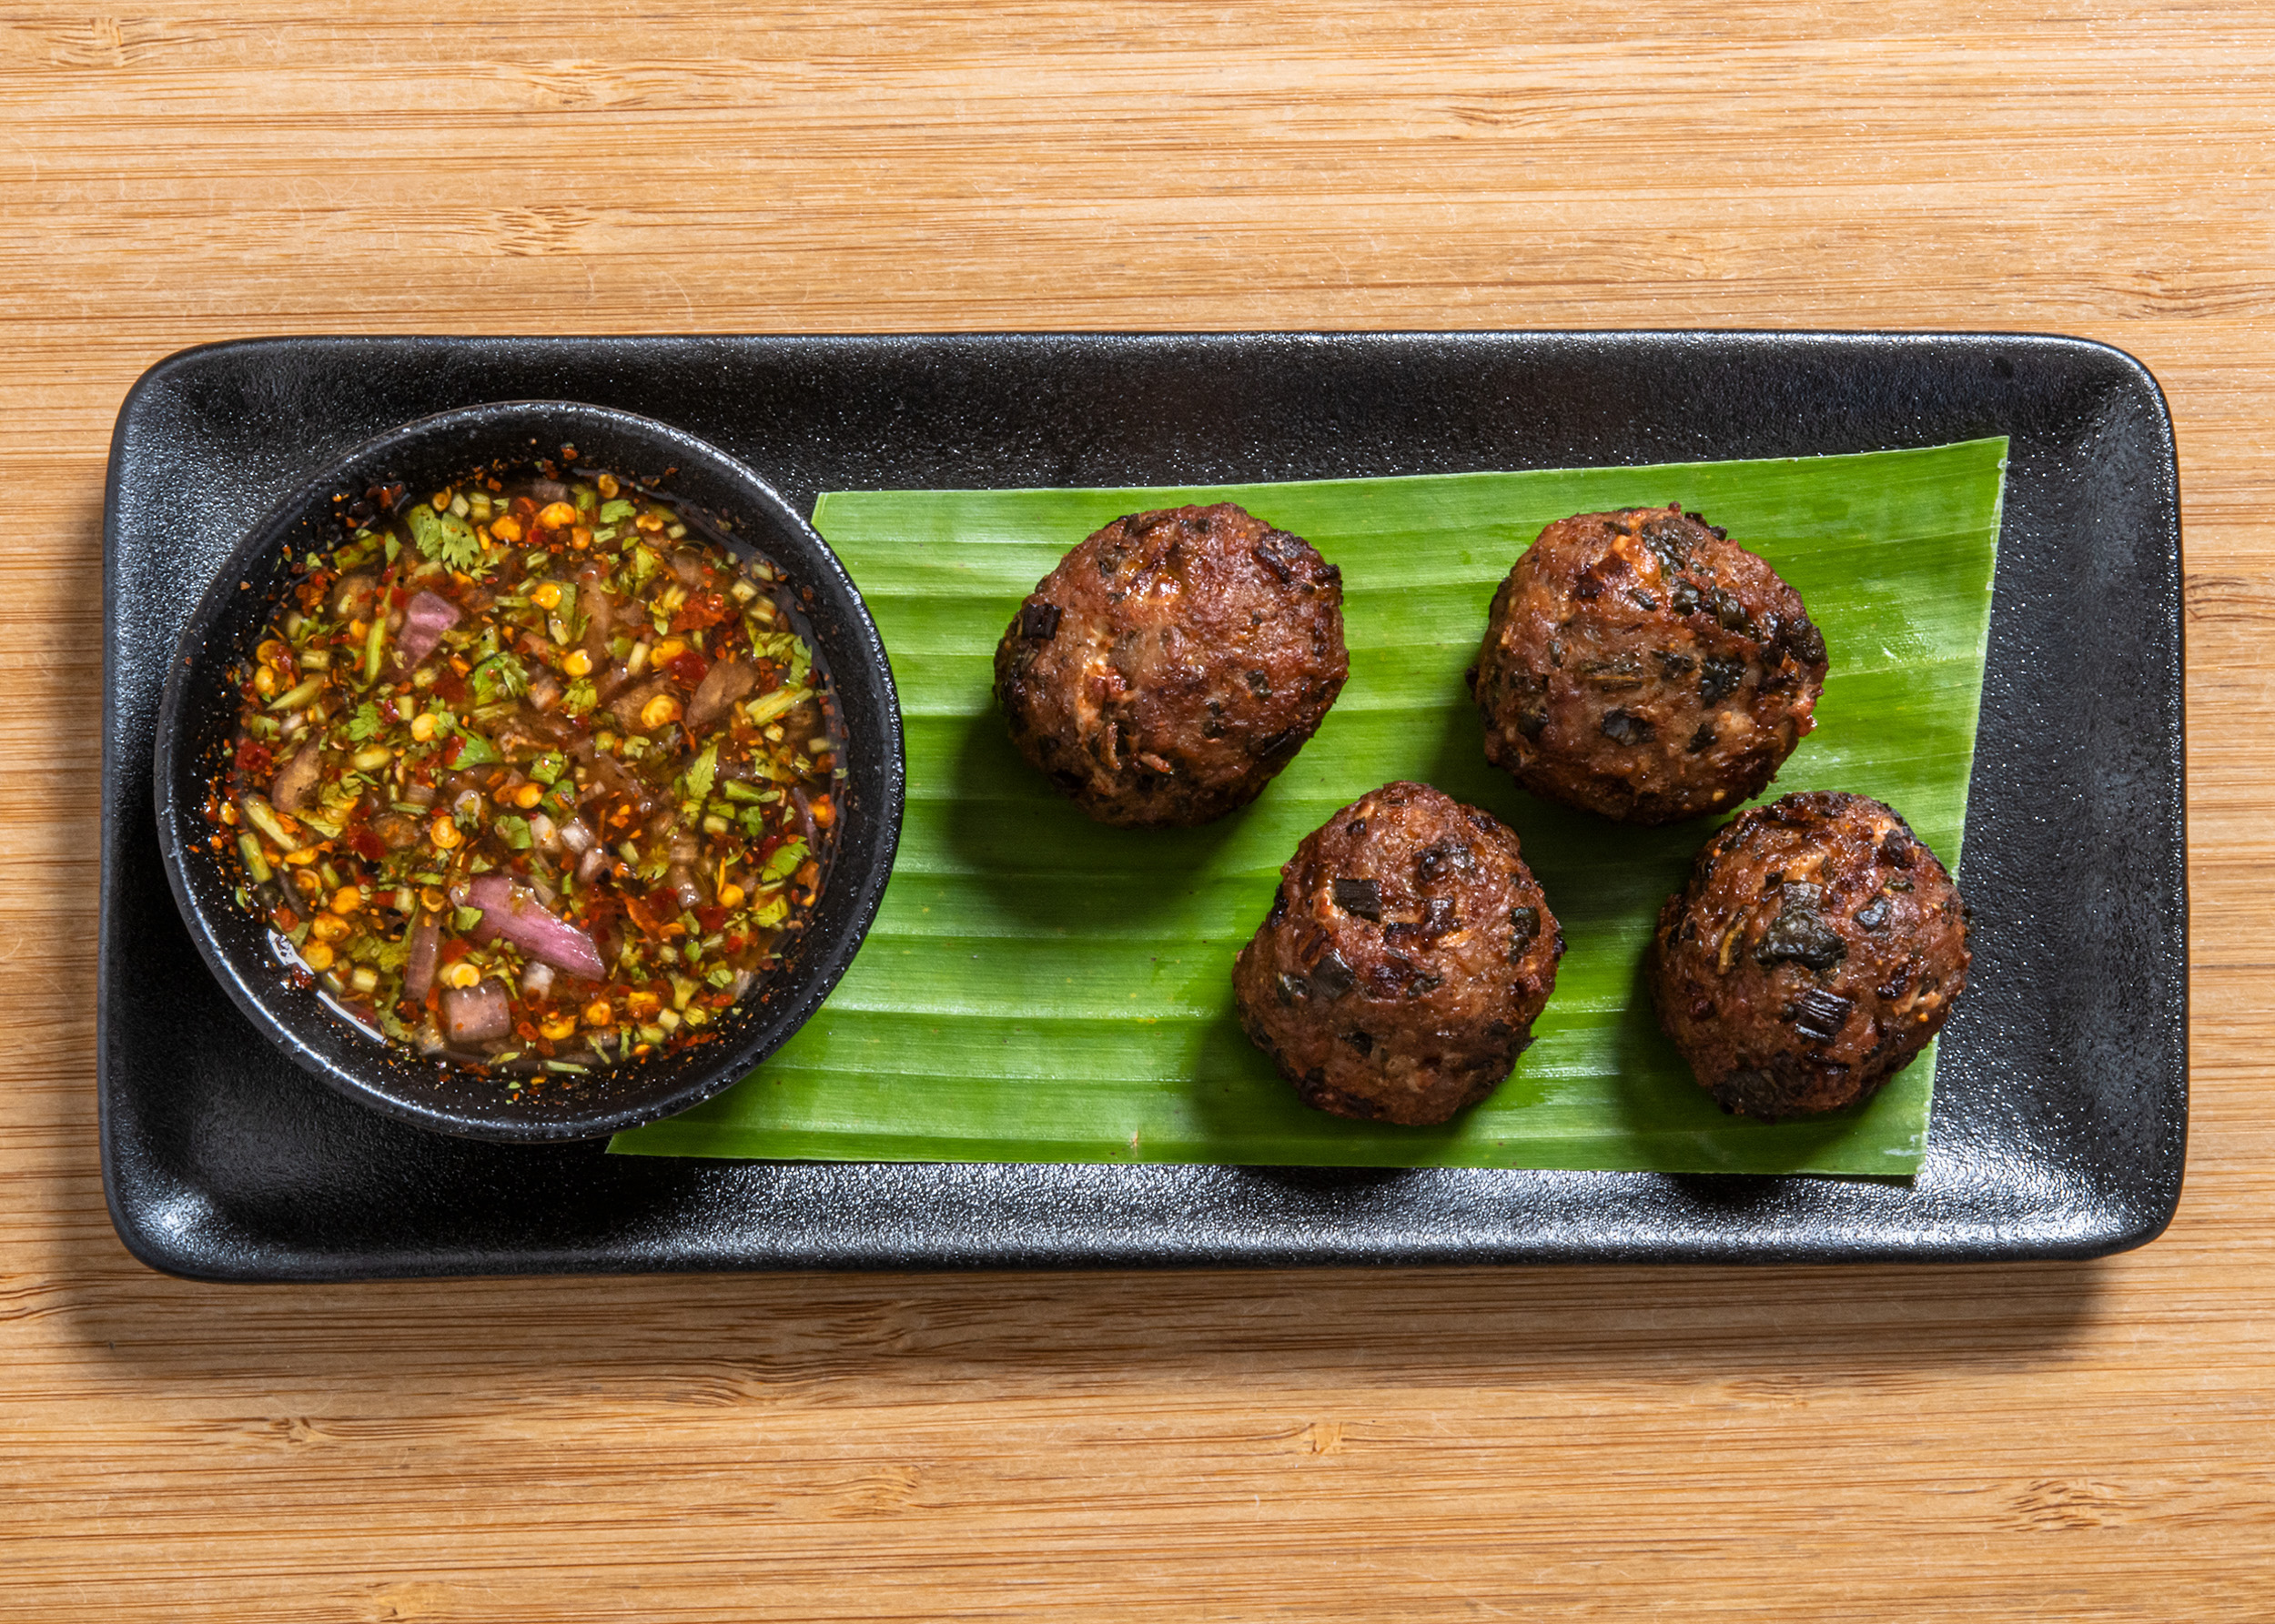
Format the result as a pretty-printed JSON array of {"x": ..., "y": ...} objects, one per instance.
[
  {"x": 258, "y": 812},
  {"x": 293, "y": 698},
  {"x": 766, "y": 707}
]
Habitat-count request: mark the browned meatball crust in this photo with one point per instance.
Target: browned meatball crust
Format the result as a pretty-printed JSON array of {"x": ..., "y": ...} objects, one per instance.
[
  {"x": 1643, "y": 665},
  {"x": 1404, "y": 960},
  {"x": 1816, "y": 949},
  {"x": 1173, "y": 664}
]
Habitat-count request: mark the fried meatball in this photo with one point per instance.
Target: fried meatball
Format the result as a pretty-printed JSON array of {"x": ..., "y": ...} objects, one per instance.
[
  {"x": 1643, "y": 665},
  {"x": 1173, "y": 664},
  {"x": 1816, "y": 949},
  {"x": 1404, "y": 960}
]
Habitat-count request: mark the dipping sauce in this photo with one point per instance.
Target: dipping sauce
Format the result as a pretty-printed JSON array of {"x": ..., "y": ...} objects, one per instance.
[{"x": 530, "y": 775}]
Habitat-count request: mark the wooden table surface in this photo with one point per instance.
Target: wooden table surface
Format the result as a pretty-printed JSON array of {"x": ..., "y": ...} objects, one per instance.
[{"x": 2075, "y": 1442}]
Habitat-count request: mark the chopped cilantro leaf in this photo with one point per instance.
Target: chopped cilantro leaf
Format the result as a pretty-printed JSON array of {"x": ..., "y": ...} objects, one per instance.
[
  {"x": 699, "y": 776},
  {"x": 502, "y": 676},
  {"x": 444, "y": 538}
]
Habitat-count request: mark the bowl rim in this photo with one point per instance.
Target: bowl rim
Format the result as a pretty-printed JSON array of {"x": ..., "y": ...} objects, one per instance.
[{"x": 760, "y": 511}]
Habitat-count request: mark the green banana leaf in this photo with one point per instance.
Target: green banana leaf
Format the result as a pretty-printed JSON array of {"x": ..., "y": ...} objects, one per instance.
[{"x": 1037, "y": 988}]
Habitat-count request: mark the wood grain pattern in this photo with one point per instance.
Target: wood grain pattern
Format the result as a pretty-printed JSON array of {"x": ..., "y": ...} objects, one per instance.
[{"x": 2083, "y": 1443}]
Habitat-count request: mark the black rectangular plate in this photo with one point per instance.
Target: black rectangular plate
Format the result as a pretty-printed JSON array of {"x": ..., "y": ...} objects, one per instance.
[{"x": 2061, "y": 1107}]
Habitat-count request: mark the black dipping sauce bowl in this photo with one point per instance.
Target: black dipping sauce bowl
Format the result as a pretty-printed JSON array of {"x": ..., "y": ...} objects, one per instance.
[{"x": 719, "y": 497}]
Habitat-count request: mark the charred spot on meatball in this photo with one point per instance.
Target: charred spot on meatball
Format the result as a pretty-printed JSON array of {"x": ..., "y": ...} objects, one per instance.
[
  {"x": 1407, "y": 952},
  {"x": 1816, "y": 949},
  {"x": 1643, "y": 665},
  {"x": 1173, "y": 664}
]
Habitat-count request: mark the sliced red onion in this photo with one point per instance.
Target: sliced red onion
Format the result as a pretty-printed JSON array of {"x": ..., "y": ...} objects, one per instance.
[
  {"x": 626, "y": 706},
  {"x": 578, "y": 836},
  {"x": 475, "y": 1014},
  {"x": 425, "y": 942},
  {"x": 425, "y": 619},
  {"x": 593, "y": 861},
  {"x": 599, "y": 607},
  {"x": 536, "y": 978},
  {"x": 517, "y": 915},
  {"x": 554, "y": 730},
  {"x": 611, "y": 681},
  {"x": 609, "y": 777},
  {"x": 722, "y": 686},
  {"x": 289, "y": 789}
]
